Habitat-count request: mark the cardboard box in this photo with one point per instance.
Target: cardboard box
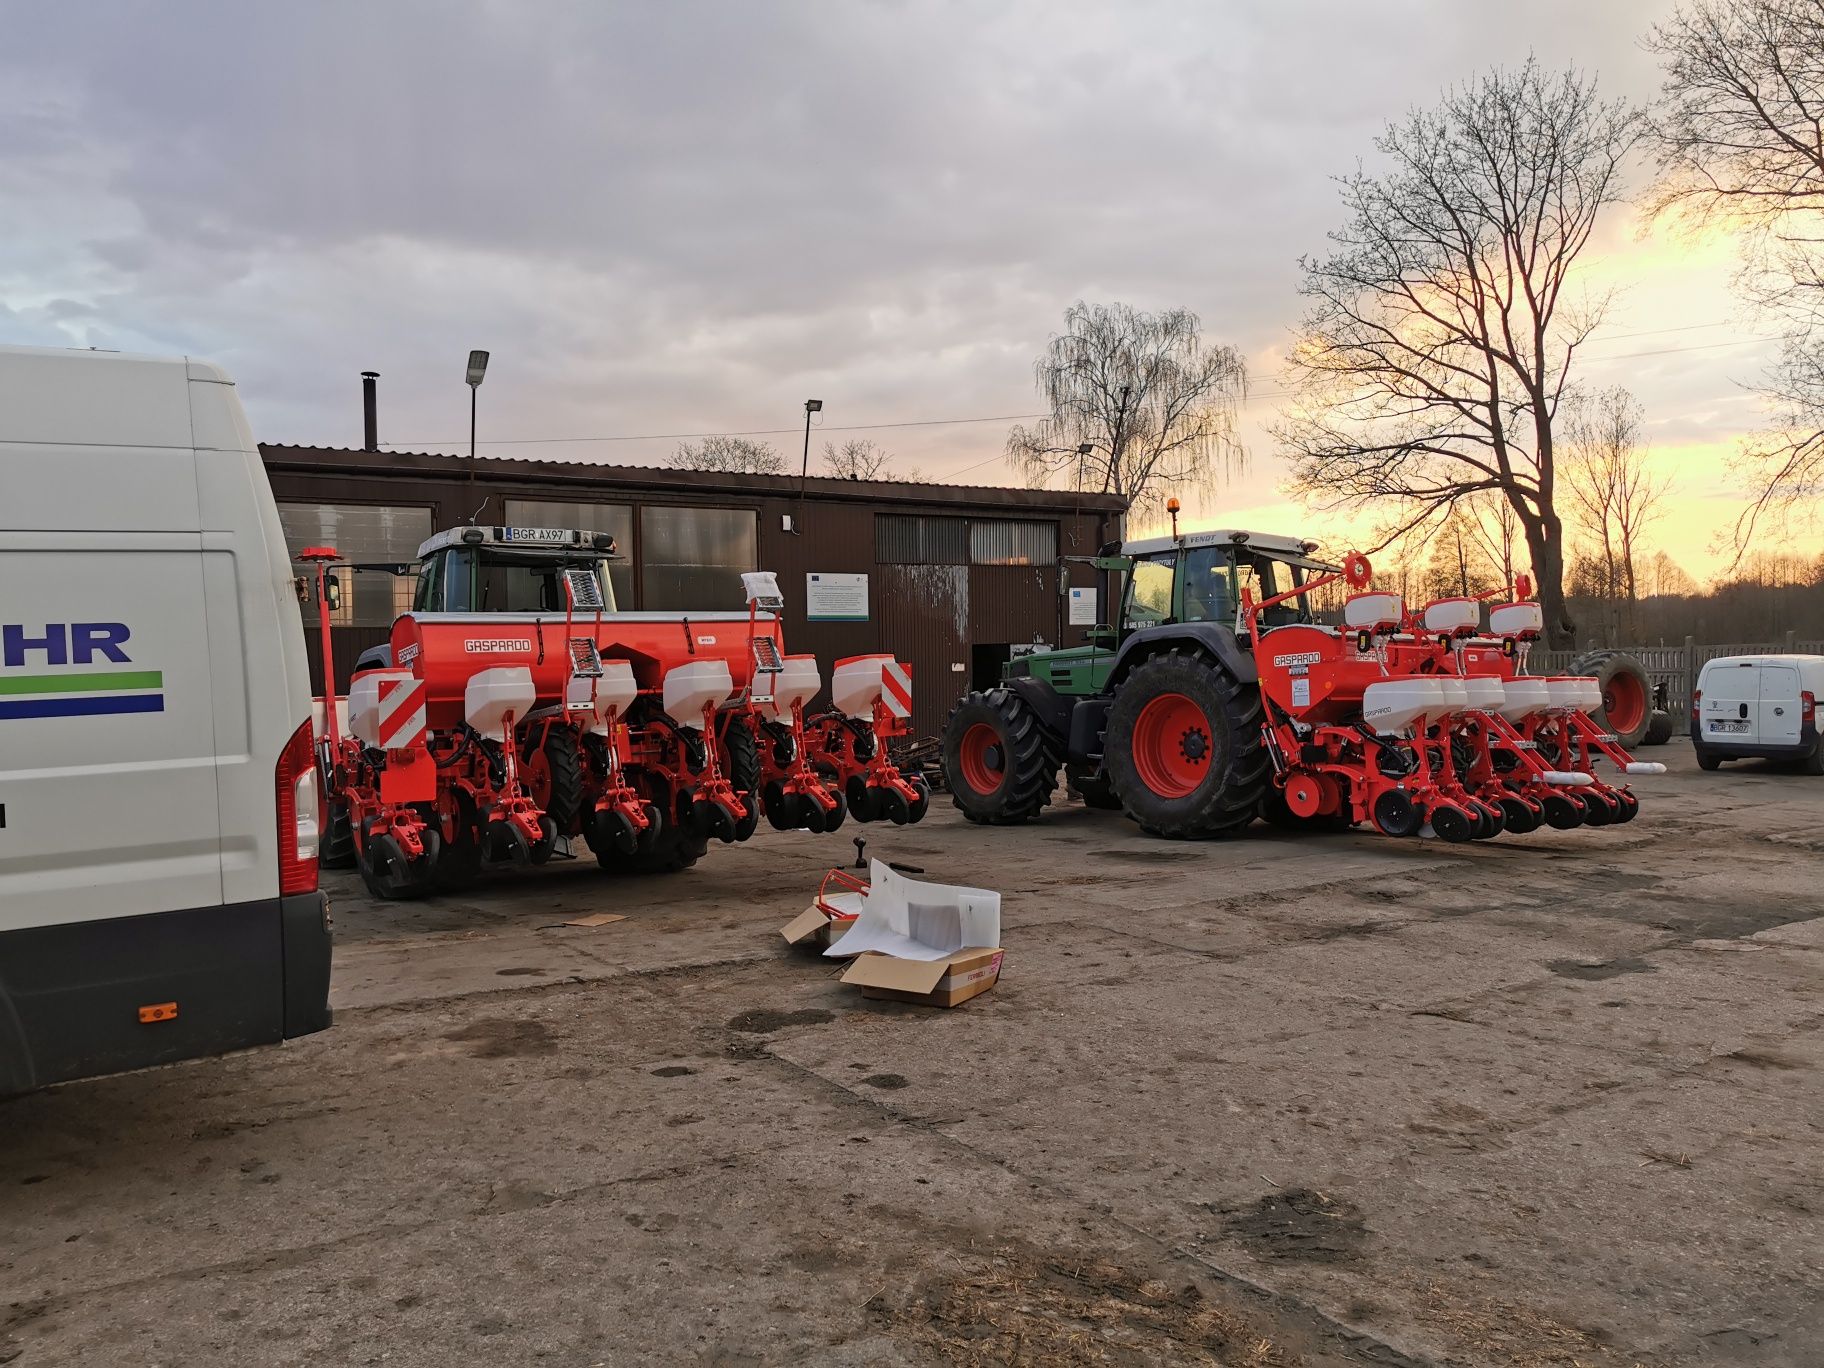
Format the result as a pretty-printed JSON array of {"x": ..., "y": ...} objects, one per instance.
[
  {"x": 814, "y": 927},
  {"x": 935, "y": 983}
]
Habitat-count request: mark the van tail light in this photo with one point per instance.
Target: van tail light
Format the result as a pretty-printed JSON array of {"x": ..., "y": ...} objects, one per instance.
[
  {"x": 1808, "y": 707},
  {"x": 1697, "y": 696},
  {"x": 297, "y": 794}
]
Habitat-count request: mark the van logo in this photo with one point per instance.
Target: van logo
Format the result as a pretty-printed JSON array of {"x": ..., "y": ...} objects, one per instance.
[{"x": 46, "y": 685}]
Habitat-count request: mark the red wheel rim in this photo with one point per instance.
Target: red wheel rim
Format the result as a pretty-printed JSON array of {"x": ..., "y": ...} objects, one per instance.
[
  {"x": 535, "y": 774},
  {"x": 983, "y": 758},
  {"x": 1624, "y": 703},
  {"x": 1172, "y": 745}
]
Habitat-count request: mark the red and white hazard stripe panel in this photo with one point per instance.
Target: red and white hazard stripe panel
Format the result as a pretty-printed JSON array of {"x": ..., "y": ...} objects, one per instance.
[
  {"x": 401, "y": 713},
  {"x": 896, "y": 687}
]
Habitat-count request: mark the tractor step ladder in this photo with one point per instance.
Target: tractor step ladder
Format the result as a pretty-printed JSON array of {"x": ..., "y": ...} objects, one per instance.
[
  {"x": 768, "y": 666},
  {"x": 585, "y": 589},
  {"x": 585, "y": 658}
]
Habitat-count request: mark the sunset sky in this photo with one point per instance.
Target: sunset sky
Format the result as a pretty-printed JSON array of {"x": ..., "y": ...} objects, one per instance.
[{"x": 690, "y": 218}]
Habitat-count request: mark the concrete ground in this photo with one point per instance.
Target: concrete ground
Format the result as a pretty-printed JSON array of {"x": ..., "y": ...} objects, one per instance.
[{"x": 1549, "y": 1100}]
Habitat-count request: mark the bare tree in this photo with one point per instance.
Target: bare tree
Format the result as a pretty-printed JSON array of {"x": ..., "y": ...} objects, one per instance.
[
  {"x": 1615, "y": 495},
  {"x": 1443, "y": 324},
  {"x": 737, "y": 454},
  {"x": 1155, "y": 404},
  {"x": 1495, "y": 529},
  {"x": 858, "y": 459},
  {"x": 1665, "y": 576},
  {"x": 1740, "y": 140}
]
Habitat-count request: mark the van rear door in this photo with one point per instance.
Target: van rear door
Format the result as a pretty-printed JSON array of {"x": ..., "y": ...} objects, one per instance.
[
  {"x": 1732, "y": 701},
  {"x": 1778, "y": 722}
]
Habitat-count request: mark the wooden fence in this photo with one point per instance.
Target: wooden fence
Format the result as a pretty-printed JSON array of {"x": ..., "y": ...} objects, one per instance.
[{"x": 1673, "y": 669}]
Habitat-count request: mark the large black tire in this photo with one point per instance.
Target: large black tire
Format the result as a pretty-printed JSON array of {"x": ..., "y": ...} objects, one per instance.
[
  {"x": 743, "y": 753},
  {"x": 676, "y": 850},
  {"x": 554, "y": 779},
  {"x": 1000, "y": 763},
  {"x": 1708, "y": 760},
  {"x": 1659, "y": 728},
  {"x": 1093, "y": 787},
  {"x": 1183, "y": 748},
  {"x": 337, "y": 848},
  {"x": 1627, "y": 693}
]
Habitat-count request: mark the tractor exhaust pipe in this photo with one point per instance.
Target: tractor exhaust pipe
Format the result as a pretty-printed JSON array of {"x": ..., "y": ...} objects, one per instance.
[{"x": 370, "y": 412}]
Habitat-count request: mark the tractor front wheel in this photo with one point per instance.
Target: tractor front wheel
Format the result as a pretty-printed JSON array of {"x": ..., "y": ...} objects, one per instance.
[
  {"x": 1001, "y": 764},
  {"x": 1183, "y": 748}
]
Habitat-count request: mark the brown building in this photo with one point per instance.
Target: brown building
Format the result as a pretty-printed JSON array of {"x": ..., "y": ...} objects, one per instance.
[{"x": 955, "y": 577}]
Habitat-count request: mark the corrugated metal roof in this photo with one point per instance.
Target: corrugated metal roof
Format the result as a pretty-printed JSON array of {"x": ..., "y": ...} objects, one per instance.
[{"x": 823, "y": 487}]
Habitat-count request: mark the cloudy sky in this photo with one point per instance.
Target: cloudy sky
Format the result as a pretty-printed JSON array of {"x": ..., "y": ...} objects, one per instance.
[{"x": 689, "y": 217}]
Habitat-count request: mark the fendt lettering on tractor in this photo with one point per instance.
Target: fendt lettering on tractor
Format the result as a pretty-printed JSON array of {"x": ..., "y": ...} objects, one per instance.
[
  {"x": 1219, "y": 698},
  {"x": 514, "y": 709}
]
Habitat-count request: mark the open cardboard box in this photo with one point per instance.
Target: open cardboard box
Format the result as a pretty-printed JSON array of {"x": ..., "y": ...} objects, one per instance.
[
  {"x": 814, "y": 926},
  {"x": 935, "y": 983}
]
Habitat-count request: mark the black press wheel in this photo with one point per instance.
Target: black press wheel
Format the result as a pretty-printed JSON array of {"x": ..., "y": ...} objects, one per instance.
[
  {"x": 1520, "y": 816},
  {"x": 1183, "y": 748},
  {"x": 390, "y": 875},
  {"x": 1001, "y": 764},
  {"x": 1395, "y": 815}
]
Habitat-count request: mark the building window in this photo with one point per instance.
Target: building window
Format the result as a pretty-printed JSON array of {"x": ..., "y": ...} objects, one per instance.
[
  {"x": 693, "y": 558},
  {"x": 996, "y": 542},
  {"x": 614, "y": 519},
  {"x": 912, "y": 539},
  {"x": 361, "y": 534}
]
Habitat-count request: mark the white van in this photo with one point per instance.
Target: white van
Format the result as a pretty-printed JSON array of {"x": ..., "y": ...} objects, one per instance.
[
  {"x": 1758, "y": 706},
  {"x": 158, "y": 797}
]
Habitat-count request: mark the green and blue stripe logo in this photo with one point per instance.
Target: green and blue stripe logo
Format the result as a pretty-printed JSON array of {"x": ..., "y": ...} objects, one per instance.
[
  {"x": 88, "y": 694},
  {"x": 82, "y": 692}
]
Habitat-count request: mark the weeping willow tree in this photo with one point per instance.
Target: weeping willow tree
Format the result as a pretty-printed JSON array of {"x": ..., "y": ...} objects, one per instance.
[{"x": 1141, "y": 406}]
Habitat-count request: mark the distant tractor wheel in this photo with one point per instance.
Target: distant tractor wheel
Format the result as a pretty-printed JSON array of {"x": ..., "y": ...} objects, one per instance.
[
  {"x": 743, "y": 753},
  {"x": 553, "y": 776},
  {"x": 1183, "y": 748},
  {"x": 1627, "y": 694},
  {"x": 1659, "y": 728},
  {"x": 459, "y": 862},
  {"x": 337, "y": 850},
  {"x": 1093, "y": 787},
  {"x": 999, "y": 761}
]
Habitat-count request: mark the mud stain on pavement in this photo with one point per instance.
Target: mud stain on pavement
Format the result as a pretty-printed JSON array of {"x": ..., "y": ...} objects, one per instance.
[
  {"x": 1298, "y": 1225},
  {"x": 1586, "y": 972},
  {"x": 504, "y": 1038},
  {"x": 759, "y": 1021}
]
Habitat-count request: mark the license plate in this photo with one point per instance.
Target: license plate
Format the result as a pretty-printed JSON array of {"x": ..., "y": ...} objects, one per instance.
[{"x": 1729, "y": 726}]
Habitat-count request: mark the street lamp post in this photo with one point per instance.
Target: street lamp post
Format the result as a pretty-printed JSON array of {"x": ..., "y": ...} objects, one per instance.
[
  {"x": 810, "y": 406},
  {"x": 478, "y": 368}
]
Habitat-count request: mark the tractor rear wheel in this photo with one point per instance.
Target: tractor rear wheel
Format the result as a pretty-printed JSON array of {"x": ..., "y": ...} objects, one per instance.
[
  {"x": 1627, "y": 693},
  {"x": 1183, "y": 748},
  {"x": 1659, "y": 728},
  {"x": 553, "y": 776},
  {"x": 337, "y": 850},
  {"x": 1001, "y": 763}
]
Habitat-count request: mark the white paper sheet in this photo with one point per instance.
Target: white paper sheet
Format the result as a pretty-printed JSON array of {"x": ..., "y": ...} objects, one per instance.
[{"x": 909, "y": 919}]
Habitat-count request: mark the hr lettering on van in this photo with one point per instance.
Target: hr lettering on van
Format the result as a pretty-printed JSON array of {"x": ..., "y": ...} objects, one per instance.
[{"x": 49, "y": 671}]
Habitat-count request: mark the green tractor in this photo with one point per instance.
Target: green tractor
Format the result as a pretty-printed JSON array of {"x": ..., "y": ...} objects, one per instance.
[{"x": 1160, "y": 715}]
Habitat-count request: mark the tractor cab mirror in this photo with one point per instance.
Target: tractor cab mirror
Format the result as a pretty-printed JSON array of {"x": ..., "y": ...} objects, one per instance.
[
  {"x": 332, "y": 592},
  {"x": 1109, "y": 561}
]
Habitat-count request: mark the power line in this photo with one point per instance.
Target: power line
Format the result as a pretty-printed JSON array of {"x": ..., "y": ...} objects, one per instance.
[{"x": 742, "y": 432}]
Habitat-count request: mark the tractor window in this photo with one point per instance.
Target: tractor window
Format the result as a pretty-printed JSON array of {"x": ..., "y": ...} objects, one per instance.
[
  {"x": 1149, "y": 593},
  {"x": 428, "y": 597},
  {"x": 509, "y": 584},
  {"x": 1209, "y": 594}
]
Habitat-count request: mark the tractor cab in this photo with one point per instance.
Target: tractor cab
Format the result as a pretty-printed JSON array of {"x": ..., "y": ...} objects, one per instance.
[
  {"x": 1206, "y": 576},
  {"x": 514, "y": 570}
]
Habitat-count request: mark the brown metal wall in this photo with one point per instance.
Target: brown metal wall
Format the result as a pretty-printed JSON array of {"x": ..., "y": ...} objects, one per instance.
[{"x": 926, "y": 615}]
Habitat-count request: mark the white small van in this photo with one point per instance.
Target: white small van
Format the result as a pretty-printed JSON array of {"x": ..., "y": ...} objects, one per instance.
[
  {"x": 1762, "y": 706},
  {"x": 158, "y": 795}
]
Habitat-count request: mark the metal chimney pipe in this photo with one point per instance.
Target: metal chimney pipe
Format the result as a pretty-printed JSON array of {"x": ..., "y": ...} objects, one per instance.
[{"x": 370, "y": 412}]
